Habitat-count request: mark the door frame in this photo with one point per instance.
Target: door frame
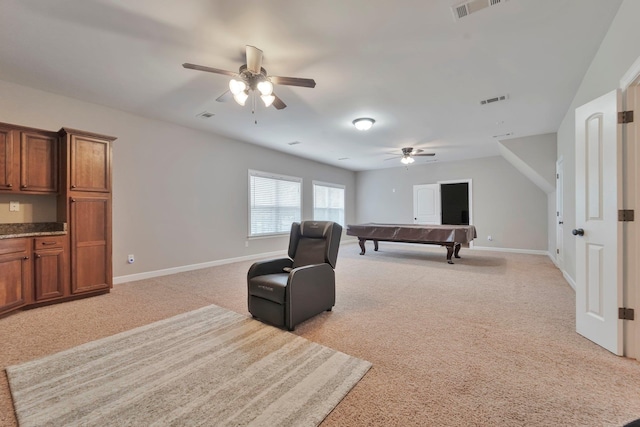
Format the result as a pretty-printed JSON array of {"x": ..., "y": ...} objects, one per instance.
[
  {"x": 630, "y": 87},
  {"x": 470, "y": 183},
  {"x": 560, "y": 213}
]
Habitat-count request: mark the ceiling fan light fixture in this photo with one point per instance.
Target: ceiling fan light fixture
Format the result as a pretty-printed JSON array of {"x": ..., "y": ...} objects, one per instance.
[
  {"x": 268, "y": 100},
  {"x": 236, "y": 87},
  {"x": 241, "y": 97},
  {"x": 363, "y": 123},
  {"x": 407, "y": 160},
  {"x": 265, "y": 87}
]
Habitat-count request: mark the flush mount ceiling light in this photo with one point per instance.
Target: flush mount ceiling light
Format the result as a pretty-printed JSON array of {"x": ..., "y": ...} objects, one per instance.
[{"x": 363, "y": 123}]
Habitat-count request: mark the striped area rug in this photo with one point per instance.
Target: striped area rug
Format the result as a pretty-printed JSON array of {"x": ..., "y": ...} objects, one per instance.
[{"x": 207, "y": 367}]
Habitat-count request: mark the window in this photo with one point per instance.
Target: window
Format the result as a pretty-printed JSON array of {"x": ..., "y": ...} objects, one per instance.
[
  {"x": 328, "y": 202},
  {"x": 274, "y": 203}
]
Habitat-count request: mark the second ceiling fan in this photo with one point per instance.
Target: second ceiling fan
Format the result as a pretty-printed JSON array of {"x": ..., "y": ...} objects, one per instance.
[
  {"x": 252, "y": 77},
  {"x": 408, "y": 154}
]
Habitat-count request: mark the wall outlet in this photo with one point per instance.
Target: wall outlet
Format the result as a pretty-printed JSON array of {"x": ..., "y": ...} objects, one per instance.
[
  {"x": 489, "y": 238},
  {"x": 14, "y": 206},
  {"x": 131, "y": 259}
]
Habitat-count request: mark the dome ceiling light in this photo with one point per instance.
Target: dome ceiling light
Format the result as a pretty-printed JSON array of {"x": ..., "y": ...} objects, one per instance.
[{"x": 363, "y": 123}]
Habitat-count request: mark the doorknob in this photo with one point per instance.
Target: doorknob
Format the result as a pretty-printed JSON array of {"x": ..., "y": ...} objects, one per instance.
[
  {"x": 577, "y": 232},
  {"x": 561, "y": 222}
]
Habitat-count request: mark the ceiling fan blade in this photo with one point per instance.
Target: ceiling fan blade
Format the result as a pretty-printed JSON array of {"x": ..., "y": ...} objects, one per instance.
[
  {"x": 393, "y": 158},
  {"x": 209, "y": 69},
  {"x": 254, "y": 59},
  {"x": 225, "y": 97},
  {"x": 424, "y": 154},
  {"x": 292, "y": 81},
  {"x": 278, "y": 103}
]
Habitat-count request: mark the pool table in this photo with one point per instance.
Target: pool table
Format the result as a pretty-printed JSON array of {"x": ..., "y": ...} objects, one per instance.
[{"x": 451, "y": 236}]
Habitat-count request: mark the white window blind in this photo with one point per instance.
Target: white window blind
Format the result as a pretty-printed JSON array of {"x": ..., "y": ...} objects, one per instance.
[
  {"x": 328, "y": 202},
  {"x": 274, "y": 203}
]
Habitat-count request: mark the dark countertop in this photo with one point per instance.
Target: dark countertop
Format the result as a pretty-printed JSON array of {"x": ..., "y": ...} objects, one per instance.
[{"x": 10, "y": 231}]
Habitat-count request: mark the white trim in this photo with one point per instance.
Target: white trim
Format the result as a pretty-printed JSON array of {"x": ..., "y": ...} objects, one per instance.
[
  {"x": 569, "y": 280},
  {"x": 167, "y": 271},
  {"x": 553, "y": 259},
  {"x": 631, "y": 75},
  {"x": 515, "y": 251}
]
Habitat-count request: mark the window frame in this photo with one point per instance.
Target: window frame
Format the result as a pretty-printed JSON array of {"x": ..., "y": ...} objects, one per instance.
[
  {"x": 344, "y": 199},
  {"x": 274, "y": 176}
]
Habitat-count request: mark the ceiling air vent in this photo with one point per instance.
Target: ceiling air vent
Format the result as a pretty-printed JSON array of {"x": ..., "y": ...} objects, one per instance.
[
  {"x": 467, "y": 8},
  {"x": 205, "y": 115},
  {"x": 494, "y": 99}
]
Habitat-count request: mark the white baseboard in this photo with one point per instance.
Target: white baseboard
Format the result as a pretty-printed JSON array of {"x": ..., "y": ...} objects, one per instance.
[
  {"x": 553, "y": 260},
  {"x": 515, "y": 251},
  {"x": 568, "y": 278},
  {"x": 167, "y": 271}
]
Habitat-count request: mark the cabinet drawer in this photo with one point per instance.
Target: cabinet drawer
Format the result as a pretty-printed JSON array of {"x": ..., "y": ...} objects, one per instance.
[
  {"x": 48, "y": 242},
  {"x": 12, "y": 246}
]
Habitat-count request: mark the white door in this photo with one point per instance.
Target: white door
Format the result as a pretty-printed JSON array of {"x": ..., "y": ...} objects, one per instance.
[
  {"x": 426, "y": 204},
  {"x": 559, "y": 212},
  {"x": 598, "y": 232}
]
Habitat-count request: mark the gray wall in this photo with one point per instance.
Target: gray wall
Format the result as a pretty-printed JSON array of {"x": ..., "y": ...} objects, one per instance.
[
  {"x": 180, "y": 196},
  {"x": 506, "y": 205},
  {"x": 618, "y": 51}
]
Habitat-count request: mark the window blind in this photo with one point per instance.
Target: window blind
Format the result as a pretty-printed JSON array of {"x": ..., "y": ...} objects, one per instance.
[
  {"x": 328, "y": 202},
  {"x": 275, "y": 202}
]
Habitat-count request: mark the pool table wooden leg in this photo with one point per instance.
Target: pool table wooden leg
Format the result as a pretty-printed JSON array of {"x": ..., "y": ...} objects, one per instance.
[
  {"x": 457, "y": 250},
  {"x": 361, "y": 243},
  {"x": 449, "y": 253}
]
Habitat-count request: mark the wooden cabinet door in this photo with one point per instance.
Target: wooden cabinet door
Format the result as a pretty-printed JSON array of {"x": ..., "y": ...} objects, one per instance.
[
  {"x": 6, "y": 161},
  {"x": 90, "y": 244},
  {"x": 14, "y": 274},
  {"x": 39, "y": 162},
  {"x": 90, "y": 164},
  {"x": 50, "y": 268}
]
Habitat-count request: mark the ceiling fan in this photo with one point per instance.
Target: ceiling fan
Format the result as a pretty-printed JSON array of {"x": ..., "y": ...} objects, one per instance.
[
  {"x": 408, "y": 154},
  {"x": 251, "y": 77}
]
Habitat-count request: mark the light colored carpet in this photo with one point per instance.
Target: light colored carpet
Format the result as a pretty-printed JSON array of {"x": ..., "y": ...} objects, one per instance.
[
  {"x": 489, "y": 341},
  {"x": 209, "y": 366}
]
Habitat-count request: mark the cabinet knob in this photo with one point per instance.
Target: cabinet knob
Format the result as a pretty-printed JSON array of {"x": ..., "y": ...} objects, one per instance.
[
  {"x": 26, "y": 258},
  {"x": 9, "y": 185},
  {"x": 23, "y": 186},
  {"x": 38, "y": 256},
  {"x": 73, "y": 186}
]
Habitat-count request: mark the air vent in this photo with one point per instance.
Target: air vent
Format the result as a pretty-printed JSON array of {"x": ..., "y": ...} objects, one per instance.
[
  {"x": 494, "y": 99},
  {"x": 504, "y": 135},
  {"x": 467, "y": 8},
  {"x": 294, "y": 143},
  {"x": 343, "y": 158},
  {"x": 205, "y": 115}
]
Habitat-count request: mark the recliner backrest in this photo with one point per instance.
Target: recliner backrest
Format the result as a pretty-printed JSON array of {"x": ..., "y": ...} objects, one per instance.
[{"x": 314, "y": 242}]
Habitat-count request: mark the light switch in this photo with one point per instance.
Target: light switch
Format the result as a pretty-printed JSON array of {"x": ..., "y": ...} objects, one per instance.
[{"x": 14, "y": 206}]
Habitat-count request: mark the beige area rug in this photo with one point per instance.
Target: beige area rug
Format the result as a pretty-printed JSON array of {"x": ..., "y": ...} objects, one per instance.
[{"x": 210, "y": 366}]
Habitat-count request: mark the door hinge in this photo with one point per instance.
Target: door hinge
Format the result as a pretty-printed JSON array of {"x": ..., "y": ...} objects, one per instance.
[
  {"x": 625, "y": 313},
  {"x": 625, "y": 215},
  {"x": 558, "y": 251},
  {"x": 625, "y": 117},
  {"x": 557, "y": 176}
]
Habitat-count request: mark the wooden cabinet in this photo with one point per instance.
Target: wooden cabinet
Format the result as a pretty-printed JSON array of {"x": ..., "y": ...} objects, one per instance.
[
  {"x": 90, "y": 227},
  {"x": 50, "y": 278},
  {"x": 88, "y": 191},
  {"x": 6, "y": 160},
  {"x": 39, "y": 162},
  {"x": 76, "y": 165},
  {"x": 90, "y": 168},
  {"x": 15, "y": 278},
  {"x": 29, "y": 160}
]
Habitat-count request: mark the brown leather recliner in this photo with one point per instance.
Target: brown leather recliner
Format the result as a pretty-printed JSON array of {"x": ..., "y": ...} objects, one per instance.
[{"x": 288, "y": 291}]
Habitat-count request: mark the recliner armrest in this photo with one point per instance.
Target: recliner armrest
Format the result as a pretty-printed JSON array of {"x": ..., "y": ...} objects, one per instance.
[
  {"x": 312, "y": 273},
  {"x": 271, "y": 266}
]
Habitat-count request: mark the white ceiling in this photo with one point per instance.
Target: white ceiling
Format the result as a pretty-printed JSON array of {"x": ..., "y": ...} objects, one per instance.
[{"x": 407, "y": 64}]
